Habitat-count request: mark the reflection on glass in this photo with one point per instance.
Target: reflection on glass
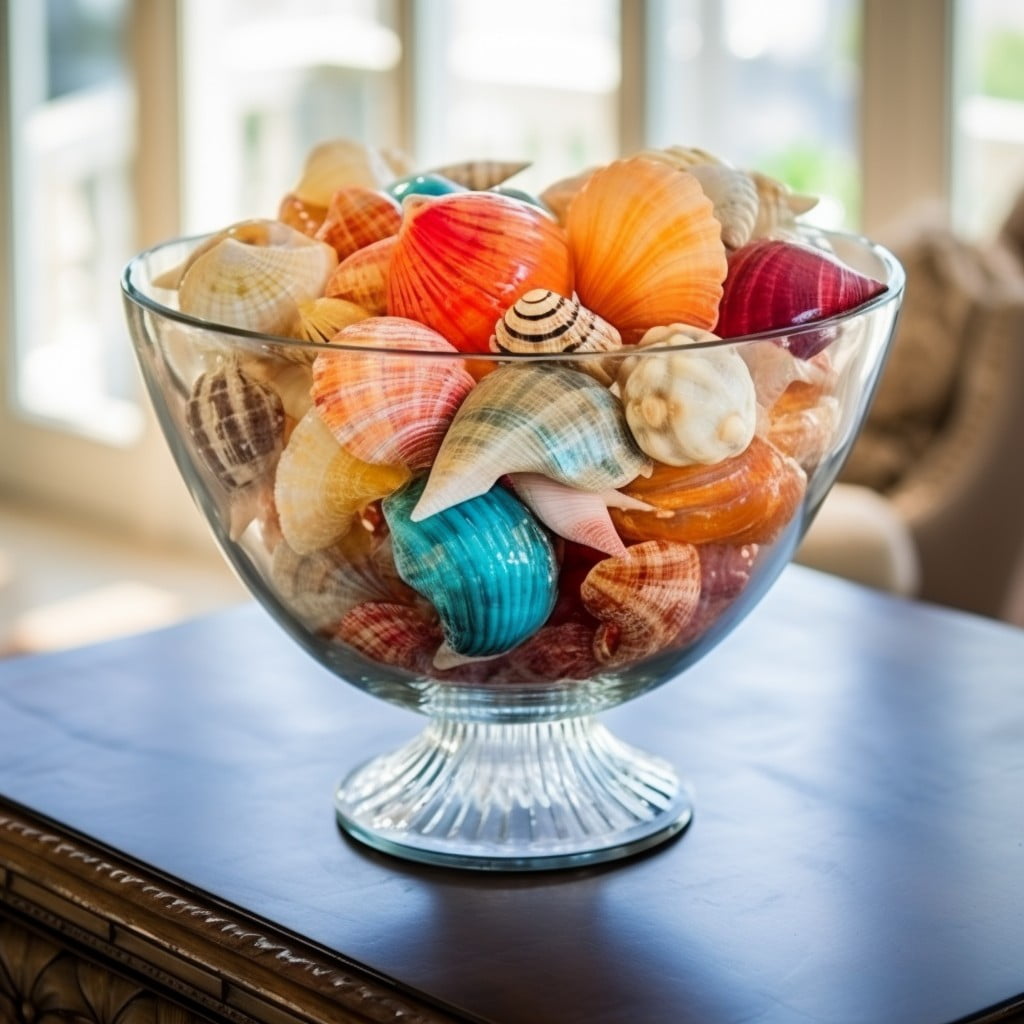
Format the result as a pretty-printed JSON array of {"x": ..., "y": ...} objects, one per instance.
[
  {"x": 765, "y": 85},
  {"x": 988, "y": 113},
  {"x": 72, "y": 111}
]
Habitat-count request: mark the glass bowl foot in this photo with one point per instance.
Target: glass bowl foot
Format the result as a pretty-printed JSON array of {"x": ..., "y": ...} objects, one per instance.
[{"x": 520, "y": 796}]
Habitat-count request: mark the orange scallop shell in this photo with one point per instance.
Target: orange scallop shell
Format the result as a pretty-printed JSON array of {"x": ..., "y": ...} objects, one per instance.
[
  {"x": 646, "y": 247},
  {"x": 357, "y": 217},
  {"x": 362, "y": 278},
  {"x": 747, "y": 499},
  {"x": 462, "y": 259}
]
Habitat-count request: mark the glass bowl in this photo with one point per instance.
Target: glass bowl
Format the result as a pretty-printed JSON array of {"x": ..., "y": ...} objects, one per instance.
[{"x": 509, "y": 633}]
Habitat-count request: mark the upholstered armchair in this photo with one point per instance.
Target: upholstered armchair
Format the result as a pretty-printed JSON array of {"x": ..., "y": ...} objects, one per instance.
[{"x": 931, "y": 501}]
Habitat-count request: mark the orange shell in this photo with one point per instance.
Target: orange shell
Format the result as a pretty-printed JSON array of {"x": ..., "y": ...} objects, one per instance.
[
  {"x": 357, "y": 217},
  {"x": 747, "y": 499},
  {"x": 463, "y": 258},
  {"x": 302, "y": 215},
  {"x": 362, "y": 278},
  {"x": 646, "y": 247}
]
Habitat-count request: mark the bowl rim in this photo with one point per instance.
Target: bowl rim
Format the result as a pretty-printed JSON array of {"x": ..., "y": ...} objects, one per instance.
[{"x": 892, "y": 292}]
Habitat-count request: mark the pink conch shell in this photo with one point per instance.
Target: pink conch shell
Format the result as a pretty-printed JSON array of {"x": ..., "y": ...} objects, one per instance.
[
  {"x": 576, "y": 515},
  {"x": 357, "y": 217},
  {"x": 774, "y": 283},
  {"x": 393, "y": 634},
  {"x": 646, "y": 247},
  {"x": 322, "y": 586},
  {"x": 480, "y": 174},
  {"x": 643, "y": 599},
  {"x": 688, "y": 405},
  {"x": 362, "y": 278},
  {"x": 386, "y": 407},
  {"x": 254, "y": 275},
  {"x": 462, "y": 259},
  {"x": 320, "y": 488}
]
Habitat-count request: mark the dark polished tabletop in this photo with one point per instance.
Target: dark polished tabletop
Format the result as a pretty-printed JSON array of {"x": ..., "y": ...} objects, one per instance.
[{"x": 856, "y": 854}]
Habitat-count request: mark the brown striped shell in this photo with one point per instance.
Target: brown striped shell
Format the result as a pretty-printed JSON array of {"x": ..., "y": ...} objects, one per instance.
[
  {"x": 236, "y": 424},
  {"x": 480, "y": 174}
]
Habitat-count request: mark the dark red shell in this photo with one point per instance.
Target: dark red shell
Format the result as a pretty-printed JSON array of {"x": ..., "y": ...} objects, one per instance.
[{"x": 775, "y": 283}]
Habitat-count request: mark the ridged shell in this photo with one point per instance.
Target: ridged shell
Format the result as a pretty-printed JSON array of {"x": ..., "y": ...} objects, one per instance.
[
  {"x": 236, "y": 424},
  {"x": 725, "y": 571},
  {"x": 393, "y": 634},
  {"x": 778, "y": 205},
  {"x": 735, "y": 199},
  {"x": 682, "y": 158},
  {"x": 555, "y": 653},
  {"x": 255, "y": 278},
  {"x": 461, "y": 260},
  {"x": 320, "y": 488},
  {"x": 646, "y": 247},
  {"x": 357, "y": 217},
  {"x": 385, "y": 407},
  {"x": 803, "y": 423},
  {"x": 338, "y": 162},
  {"x": 321, "y": 587},
  {"x": 559, "y": 194},
  {"x": 486, "y": 566},
  {"x": 533, "y": 419},
  {"x": 643, "y": 599},
  {"x": 542, "y": 322},
  {"x": 321, "y": 319},
  {"x": 687, "y": 406},
  {"x": 362, "y": 278},
  {"x": 749, "y": 498},
  {"x": 776, "y": 283},
  {"x": 289, "y": 378},
  {"x": 580, "y": 516},
  {"x": 481, "y": 174}
]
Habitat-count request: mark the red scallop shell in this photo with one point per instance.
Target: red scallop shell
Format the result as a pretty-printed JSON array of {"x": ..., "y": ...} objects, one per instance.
[
  {"x": 462, "y": 259},
  {"x": 777, "y": 283},
  {"x": 362, "y": 278}
]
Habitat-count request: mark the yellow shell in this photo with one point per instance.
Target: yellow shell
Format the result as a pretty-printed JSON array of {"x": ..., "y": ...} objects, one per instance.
[
  {"x": 362, "y": 278},
  {"x": 321, "y": 319},
  {"x": 320, "y": 488},
  {"x": 646, "y": 247},
  {"x": 255, "y": 276}
]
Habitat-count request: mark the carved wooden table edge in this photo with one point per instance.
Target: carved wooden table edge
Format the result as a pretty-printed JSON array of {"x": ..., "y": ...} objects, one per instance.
[{"x": 201, "y": 961}]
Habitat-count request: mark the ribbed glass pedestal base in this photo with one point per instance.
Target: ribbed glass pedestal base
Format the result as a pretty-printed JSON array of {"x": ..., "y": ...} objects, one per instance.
[{"x": 515, "y": 796}]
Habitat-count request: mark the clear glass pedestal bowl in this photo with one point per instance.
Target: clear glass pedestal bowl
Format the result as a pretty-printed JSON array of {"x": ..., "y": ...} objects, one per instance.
[{"x": 514, "y": 769}]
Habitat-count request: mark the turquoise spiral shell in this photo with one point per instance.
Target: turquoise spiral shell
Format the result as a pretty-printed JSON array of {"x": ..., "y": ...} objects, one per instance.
[{"x": 486, "y": 565}]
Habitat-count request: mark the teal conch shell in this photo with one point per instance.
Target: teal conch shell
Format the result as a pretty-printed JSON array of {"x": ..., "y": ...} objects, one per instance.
[
  {"x": 486, "y": 565},
  {"x": 533, "y": 419}
]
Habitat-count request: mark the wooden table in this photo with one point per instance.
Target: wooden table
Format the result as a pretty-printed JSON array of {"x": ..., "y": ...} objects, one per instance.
[{"x": 168, "y": 848}]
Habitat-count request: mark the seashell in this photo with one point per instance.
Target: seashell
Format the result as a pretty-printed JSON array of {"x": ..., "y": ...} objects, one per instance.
[
  {"x": 301, "y": 215},
  {"x": 775, "y": 368},
  {"x": 320, "y": 488},
  {"x": 542, "y": 322},
  {"x": 643, "y": 599},
  {"x": 485, "y": 565},
  {"x": 289, "y": 378},
  {"x": 532, "y": 418},
  {"x": 682, "y": 158},
  {"x": 803, "y": 422},
  {"x": 321, "y": 319},
  {"x": 773, "y": 283},
  {"x": 236, "y": 424},
  {"x": 393, "y": 634},
  {"x": 322, "y": 586},
  {"x": 734, "y": 197},
  {"x": 362, "y": 278},
  {"x": 461, "y": 260},
  {"x": 558, "y": 195},
  {"x": 749, "y": 498},
  {"x": 338, "y": 162},
  {"x": 358, "y": 217},
  {"x": 522, "y": 196},
  {"x": 555, "y": 653},
  {"x": 689, "y": 405},
  {"x": 646, "y": 247},
  {"x": 384, "y": 407},
  {"x": 480, "y": 174},
  {"x": 580, "y": 516},
  {"x": 778, "y": 206},
  {"x": 425, "y": 184},
  {"x": 725, "y": 571},
  {"x": 255, "y": 276}
]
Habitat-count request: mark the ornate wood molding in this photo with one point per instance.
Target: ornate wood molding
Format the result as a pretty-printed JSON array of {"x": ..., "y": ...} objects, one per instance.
[{"x": 182, "y": 943}]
